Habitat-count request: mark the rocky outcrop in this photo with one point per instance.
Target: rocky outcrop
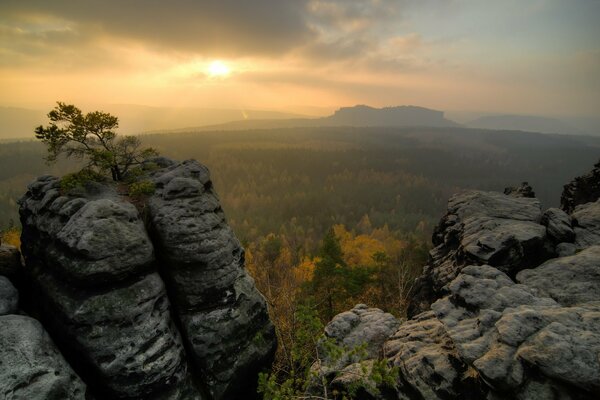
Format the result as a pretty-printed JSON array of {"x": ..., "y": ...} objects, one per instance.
[
  {"x": 482, "y": 228},
  {"x": 581, "y": 190},
  {"x": 152, "y": 304},
  {"x": 515, "y": 312},
  {"x": 523, "y": 190},
  {"x": 513, "y": 338},
  {"x": 429, "y": 366},
  {"x": 223, "y": 317}
]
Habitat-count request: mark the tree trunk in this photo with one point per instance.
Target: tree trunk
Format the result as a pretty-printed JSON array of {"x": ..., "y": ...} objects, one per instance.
[{"x": 116, "y": 173}]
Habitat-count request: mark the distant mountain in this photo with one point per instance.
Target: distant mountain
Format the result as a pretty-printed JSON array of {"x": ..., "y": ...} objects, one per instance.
[
  {"x": 523, "y": 123},
  {"x": 358, "y": 116},
  {"x": 362, "y": 115}
]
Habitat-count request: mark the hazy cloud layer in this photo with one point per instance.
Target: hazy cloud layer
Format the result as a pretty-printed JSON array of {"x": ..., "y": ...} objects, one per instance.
[{"x": 440, "y": 54}]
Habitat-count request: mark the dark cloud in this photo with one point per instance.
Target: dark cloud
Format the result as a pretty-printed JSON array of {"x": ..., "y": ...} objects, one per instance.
[{"x": 225, "y": 27}]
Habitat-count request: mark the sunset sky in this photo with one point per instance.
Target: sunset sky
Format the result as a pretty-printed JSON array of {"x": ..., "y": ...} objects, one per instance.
[{"x": 511, "y": 56}]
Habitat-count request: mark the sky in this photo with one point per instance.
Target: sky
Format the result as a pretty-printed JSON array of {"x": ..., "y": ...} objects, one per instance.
[{"x": 538, "y": 57}]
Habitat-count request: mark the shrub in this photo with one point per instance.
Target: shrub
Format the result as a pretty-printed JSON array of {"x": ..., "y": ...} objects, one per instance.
[
  {"x": 80, "y": 179},
  {"x": 141, "y": 188}
]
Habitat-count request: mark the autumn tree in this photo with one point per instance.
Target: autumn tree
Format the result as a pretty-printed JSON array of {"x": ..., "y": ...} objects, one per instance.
[{"x": 91, "y": 137}]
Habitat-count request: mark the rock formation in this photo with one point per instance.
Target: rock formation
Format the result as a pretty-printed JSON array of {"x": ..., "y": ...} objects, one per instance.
[
  {"x": 581, "y": 190},
  {"x": 508, "y": 307},
  {"x": 145, "y": 301}
]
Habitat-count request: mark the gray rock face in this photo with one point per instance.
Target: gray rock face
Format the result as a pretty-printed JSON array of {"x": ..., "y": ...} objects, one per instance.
[
  {"x": 87, "y": 240},
  {"x": 501, "y": 328},
  {"x": 568, "y": 280},
  {"x": 124, "y": 335},
  {"x": 586, "y": 222},
  {"x": 581, "y": 190},
  {"x": 9, "y": 297},
  {"x": 224, "y": 318},
  {"x": 482, "y": 228},
  {"x": 558, "y": 225},
  {"x": 428, "y": 361},
  {"x": 362, "y": 325},
  {"x": 30, "y": 365},
  {"x": 10, "y": 260},
  {"x": 91, "y": 261}
]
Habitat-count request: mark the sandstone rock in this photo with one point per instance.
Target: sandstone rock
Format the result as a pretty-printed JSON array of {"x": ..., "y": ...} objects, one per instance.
[
  {"x": 362, "y": 325},
  {"x": 30, "y": 365},
  {"x": 429, "y": 363},
  {"x": 10, "y": 260},
  {"x": 224, "y": 318},
  {"x": 124, "y": 336},
  {"x": 568, "y": 280},
  {"x": 565, "y": 249},
  {"x": 360, "y": 333},
  {"x": 523, "y": 190},
  {"x": 91, "y": 262},
  {"x": 581, "y": 190},
  {"x": 9, "y": 297},
  {"x": 586, "y": 223},
  {"x": 86, "y": 240},
  {"x": 501, "y": 328},
  {"x": 482, "y": 228},
  {"x": 558, "y": 225}
]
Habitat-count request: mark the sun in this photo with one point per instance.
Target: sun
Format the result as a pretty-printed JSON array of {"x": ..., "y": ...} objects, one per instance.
[{"x": 218, "y": 69}]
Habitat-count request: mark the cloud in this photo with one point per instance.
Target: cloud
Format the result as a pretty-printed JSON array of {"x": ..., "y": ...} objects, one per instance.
[{"x": 223, "y": 28}]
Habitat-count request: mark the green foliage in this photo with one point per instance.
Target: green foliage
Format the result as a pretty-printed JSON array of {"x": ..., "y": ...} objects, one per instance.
[
  {"x": 328, "y": 274},
  {"x": 141, "y": 188},
  {"x": 78, "y": 180},
  {"x": 91, "y": 137},
  {"x": 288, "y": 384},
  {"x": 310, "y": 350}
]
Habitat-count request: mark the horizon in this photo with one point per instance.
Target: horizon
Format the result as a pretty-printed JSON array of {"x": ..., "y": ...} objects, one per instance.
[{"x": 308, "y": 57}]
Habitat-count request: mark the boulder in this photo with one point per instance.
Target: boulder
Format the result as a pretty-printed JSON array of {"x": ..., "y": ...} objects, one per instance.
[
  {"x": 586, "y": 224},
  {"x": 360, "y": 335},
  {"x": 558, "y": 225},
  {"x": 88, "y": 240},
  {"x": 9, "y": 297},
  {"x": 362, "y": 326},
  {"x": 31, "y": 367}
]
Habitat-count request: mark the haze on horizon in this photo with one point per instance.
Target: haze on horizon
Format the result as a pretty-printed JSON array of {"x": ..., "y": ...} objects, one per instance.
[{"x": 537, "y": 57}]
